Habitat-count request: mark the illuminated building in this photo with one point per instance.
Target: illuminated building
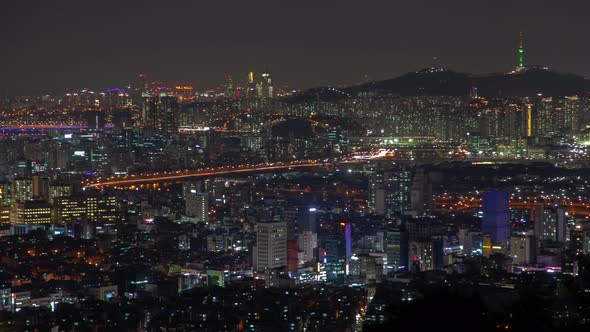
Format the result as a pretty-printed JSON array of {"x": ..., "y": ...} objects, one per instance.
[
  {"x": 160, "y": 113},
  {"x": 364, "y": 267},
  {"x": 396, "y": 248},
  {"x": 217, "y": 277},
  {"x": 5, "y": 202},
  {"x": 550, "y": 225},
  {"x": 22, "y": 190},
  {"x": 94, "y": 209},
  {"x": 265, "y": 87},
  {"x": 307, "y": 242},
  {"x": 197, "y": 205},
  {"x": 569, "y": 116},
  {"x": 522, "y": 250},
  {"x": 421, "y": 255},
  {"x": 545, "y": 119},
  {"x": 270, "y": 251},
  {"x": 59, "y": 190},
  {"x": 40, "y": 188},
  {"x": 251, "y": 87},
  {"x": 103, "y": 293},
  {"x": 496, "y": 216},
  {"x": 338, "y": 250},
  {"x": 389, "y": 191},
  {"x": 5, "y": 194},
  {"x": 520, "y": 66},
  {"x": 31, "y": 212}
]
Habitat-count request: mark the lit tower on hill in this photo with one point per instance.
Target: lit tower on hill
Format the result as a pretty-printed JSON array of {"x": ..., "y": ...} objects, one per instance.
[{"x": 520, "y": 66}]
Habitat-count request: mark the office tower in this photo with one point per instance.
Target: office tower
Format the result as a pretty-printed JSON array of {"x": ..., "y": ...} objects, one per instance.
[
  {"x": 197, "y": 206},
  {"x": 265, "y": 87},
  {"x": 251, "y": 90},
  {"x": 338, "y": 250},
  {"x": 31, "y": 212},
  {"x": 308, "y": 220},
  {"x": 270, "y": 251},
  {"x": 40, "y": 189},
  {"x": 421, "y": 194},
  {"x": 22, "y": 190},
  {"x": 160, "y": 113},
  {"x": 522, "y": 250},
  {"x": 96, "y": 210},
  {"x": 99, "y": 159},
  {"x": 496, "y": 216},
  {"x": 308, "y": 242},
  {"x": 389, "y": 191},
  {"x": 396, "y": 248}
]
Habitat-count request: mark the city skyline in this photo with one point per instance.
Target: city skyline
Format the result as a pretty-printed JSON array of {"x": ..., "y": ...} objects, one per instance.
[
  {"x": 298, "y": 166},
  {"x": 338, "y": 44}
]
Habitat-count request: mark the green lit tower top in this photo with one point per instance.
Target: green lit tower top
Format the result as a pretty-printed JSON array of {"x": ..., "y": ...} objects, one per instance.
[{"x": 520, "y": 53}]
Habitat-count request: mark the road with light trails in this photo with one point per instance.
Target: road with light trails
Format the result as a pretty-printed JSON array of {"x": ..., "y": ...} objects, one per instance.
[{"x": 199, "y": 173}]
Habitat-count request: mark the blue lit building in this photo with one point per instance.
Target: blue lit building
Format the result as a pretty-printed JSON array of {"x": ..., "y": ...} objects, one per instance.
[{"x": 496, "y": 215}]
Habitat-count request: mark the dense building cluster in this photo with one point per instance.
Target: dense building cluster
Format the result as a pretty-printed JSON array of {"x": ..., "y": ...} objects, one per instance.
[{"x": 153, "y": 207}]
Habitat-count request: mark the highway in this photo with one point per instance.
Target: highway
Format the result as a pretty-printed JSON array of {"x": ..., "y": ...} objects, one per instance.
[
  {"x": 199, "y": 173},
  {"x": 463, "y": 204}
]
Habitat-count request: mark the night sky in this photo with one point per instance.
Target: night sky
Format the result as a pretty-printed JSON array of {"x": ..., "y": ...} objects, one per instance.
[{"x": 99, "y": 44}]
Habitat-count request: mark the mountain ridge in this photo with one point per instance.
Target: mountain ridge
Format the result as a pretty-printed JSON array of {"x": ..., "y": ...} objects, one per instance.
[{"x": 533, "y": 81}]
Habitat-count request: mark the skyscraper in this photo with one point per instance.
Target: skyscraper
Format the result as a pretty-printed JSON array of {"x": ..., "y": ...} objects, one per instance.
[
  {"x": 251, "y": 87},
  {"x": 396, "y": 248},
  {"x": 270, "y": 251},
  {"x": 496, "y": 216},
  {"x": 160, "y": 113},
  {"x": 421, "y": 194},
  {"x": 338, "y": 250},
  {"x": 265, "y": 87}
]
